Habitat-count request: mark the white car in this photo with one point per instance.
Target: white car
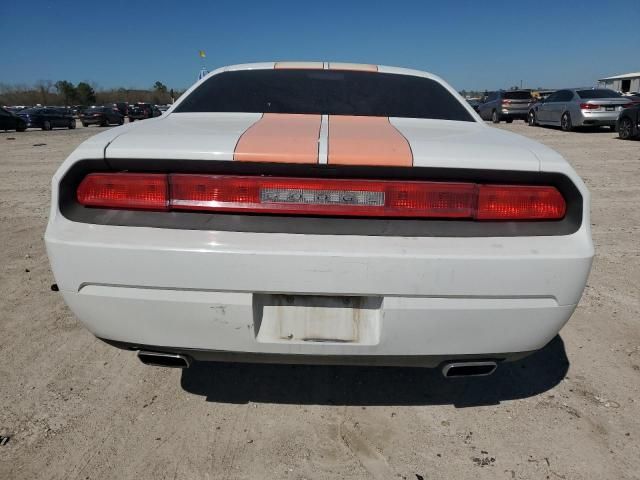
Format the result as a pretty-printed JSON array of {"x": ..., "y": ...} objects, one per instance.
[{"x": 320, "y": 213}]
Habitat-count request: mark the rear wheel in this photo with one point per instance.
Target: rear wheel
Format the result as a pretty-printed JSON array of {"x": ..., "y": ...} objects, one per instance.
[
  {"x": 85, "y": 124},
  {"x": 121, "y": 121},
  {"x": 46, "y": 125},
  {"x": 531, "y": 118},
  {"x": 625, "y": 128},
  {"x": 495, "y": 118},
  {"x": 104, "y": 123},
  {"x": 565, "y": 122},
  {"x": 21, "y": 127},
  {"x": 509, "y": 120},
  {"x": 72, "y": 124}
]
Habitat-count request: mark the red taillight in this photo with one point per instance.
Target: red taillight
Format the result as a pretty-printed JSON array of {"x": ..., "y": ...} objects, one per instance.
[
  {"x": 589, "y": 106},
  {"x": 515, "y": 202},
  {"x": 323, "y": 197},
  {"x": 138, "y": 191}
]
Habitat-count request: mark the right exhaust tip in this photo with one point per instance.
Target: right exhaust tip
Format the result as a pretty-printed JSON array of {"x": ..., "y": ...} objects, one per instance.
[
  {"x": 469, "y": 369},
  {"x": 162, "y": 359}
]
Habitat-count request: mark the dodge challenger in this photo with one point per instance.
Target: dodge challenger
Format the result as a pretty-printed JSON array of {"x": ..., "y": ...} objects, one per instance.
[{"x": 316, "y": 212}]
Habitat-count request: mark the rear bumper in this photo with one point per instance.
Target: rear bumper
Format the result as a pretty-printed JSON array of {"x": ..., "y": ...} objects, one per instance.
[
  {"x": 421, "y": 297},
  {"x": 239, "y": 322},
  {"x": 596, "y": 119},
  {"x": 517, "y": 114}
]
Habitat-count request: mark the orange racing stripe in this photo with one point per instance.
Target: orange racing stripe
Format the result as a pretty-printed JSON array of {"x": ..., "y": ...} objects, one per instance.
[
  {"x": 358, "y": 140},
  {"x": 280, "y": 138}
]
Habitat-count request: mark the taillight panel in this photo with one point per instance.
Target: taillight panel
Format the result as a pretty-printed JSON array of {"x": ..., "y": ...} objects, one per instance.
[{"x": 321, "y": 196}]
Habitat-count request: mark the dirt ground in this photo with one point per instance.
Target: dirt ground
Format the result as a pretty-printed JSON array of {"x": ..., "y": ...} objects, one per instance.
[{"x": 75, "y": 408}]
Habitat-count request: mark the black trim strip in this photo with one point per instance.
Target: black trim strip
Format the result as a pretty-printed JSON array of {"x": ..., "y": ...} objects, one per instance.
[
  {"x": 72, "y": 210},
  {"x": 428, "y": 361}
]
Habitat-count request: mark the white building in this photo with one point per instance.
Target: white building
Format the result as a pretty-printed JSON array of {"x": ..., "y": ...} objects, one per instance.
[{"x": 629, "y": 82}]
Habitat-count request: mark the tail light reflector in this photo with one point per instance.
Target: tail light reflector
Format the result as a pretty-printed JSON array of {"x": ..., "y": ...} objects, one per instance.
[
  {"x": 323, "y": 197},
  {"x": 589, "y": 106}
]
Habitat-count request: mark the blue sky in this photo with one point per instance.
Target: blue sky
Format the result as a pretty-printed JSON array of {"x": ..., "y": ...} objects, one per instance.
[{"x": 472, "y": 44}]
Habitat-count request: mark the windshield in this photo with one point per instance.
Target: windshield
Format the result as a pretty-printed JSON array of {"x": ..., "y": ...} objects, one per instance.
[
  {"x": 325, "y": 92},
  {"x": 597, "y": 93}
]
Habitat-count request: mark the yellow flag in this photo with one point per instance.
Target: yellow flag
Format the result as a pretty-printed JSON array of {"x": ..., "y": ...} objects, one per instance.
[{"x": 202, "y": 54}]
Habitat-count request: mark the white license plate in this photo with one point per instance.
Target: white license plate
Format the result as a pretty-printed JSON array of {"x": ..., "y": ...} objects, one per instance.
[
  {"x": 609, "y": 109},
  {"x": 307, "y": 318}
]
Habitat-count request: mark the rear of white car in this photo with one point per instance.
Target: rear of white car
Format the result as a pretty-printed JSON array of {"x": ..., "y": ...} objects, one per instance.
[{"x": 307, "y": 260}]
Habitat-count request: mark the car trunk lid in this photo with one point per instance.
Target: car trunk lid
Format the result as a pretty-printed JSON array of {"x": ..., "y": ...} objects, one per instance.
[{"x": 339, "y": 140}]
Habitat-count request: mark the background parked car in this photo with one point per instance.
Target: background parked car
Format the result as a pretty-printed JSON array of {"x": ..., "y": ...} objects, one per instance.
[
  {"x": 140, "y": 111},
  {"x": 16, "y": 108},
  {"x": 474, "y": 103},
  {"x": 506, "y": 105},
  {"x": 578, "y": 107},
  {"x": 628, "y": 123},
  {"x": 11, "y": 121},
  {"x": 633, "y": 97},
  {"x": 77, "y": 110},
  {"x": 122, "y": 107},
  {"x": 47, "y": 118},
  {"x": 103, "y": 116}
]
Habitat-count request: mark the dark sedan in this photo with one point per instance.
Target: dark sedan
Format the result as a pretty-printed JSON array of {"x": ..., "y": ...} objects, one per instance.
[
  {"x": 103, "y": 116},
  {"x": 628, "y": 123},
  {"x": 140, "y": 111},
  {"x": 11, "y": 121},
  {"x": 47, "y": 118}
]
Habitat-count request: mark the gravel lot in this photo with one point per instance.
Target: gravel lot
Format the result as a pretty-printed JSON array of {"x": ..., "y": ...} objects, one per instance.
[{"x": 75, "y": 408}]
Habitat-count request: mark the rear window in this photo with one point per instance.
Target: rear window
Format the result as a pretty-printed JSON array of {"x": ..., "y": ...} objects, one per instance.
[
  {"x": 597, "y": 93},
  {"x": 325, "y": 92},
  {"x": 517, "y": 95}
]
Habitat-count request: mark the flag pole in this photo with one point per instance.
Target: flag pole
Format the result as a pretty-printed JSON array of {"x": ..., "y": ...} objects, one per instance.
[{"x": 203, "y": 69}]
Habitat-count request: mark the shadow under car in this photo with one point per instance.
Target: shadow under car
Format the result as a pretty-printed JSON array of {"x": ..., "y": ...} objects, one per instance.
[{"x": 240, "y": 383}]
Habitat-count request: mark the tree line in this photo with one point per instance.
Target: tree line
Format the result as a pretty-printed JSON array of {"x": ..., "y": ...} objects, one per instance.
[{"x": 66, "y": 93}]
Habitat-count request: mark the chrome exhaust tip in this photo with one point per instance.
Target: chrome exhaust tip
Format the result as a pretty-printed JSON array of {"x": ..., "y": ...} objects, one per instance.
[
  {"x": 162, "y": 359},
  {"x": 469, "y": 369}
]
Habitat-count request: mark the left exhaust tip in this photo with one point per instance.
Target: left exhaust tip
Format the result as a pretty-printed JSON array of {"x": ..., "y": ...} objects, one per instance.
[{"x": 162, "y": 359}]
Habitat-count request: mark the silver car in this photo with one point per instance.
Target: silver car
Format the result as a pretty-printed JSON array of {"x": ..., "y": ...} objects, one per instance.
[
  {"x": 578, "y": 107},
  {"x": 505, "y": 105}
]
